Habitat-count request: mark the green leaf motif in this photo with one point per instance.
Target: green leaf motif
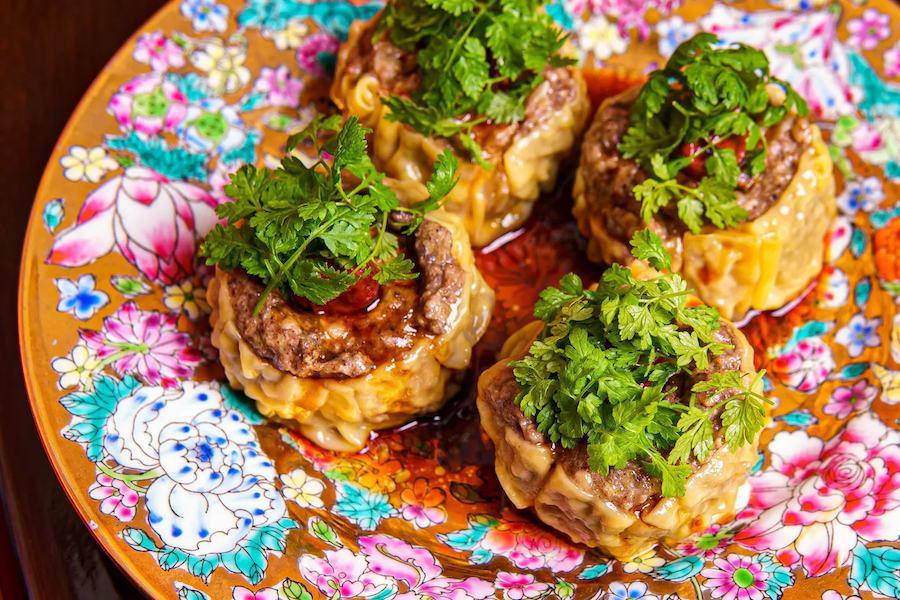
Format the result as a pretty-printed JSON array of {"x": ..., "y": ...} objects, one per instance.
[
  {"x": 157, "y": 154},
  {"x": 325, "y": 532},
  {"x": 294, "y": 590},
  {"x": 186, "y": 592},
  {"x": 139, "y": 540},
  {"x": 90, "y": 410},
  {"x": 247, "y": 559}
]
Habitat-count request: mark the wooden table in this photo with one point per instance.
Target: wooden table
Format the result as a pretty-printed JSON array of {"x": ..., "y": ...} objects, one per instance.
[{"x": 50, "y": 51}]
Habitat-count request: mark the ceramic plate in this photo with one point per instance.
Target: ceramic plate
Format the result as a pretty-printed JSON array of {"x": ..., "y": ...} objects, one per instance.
[{"x": 116, "y": 343}]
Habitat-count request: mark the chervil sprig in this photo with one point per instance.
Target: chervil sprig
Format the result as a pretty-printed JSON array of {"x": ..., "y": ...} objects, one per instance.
[
  {"x": 478, "y": 60},
  {"x": 603, "y": 371},
  {"x": 315, "y": 230},
  {"x": 704, "y": 100}
]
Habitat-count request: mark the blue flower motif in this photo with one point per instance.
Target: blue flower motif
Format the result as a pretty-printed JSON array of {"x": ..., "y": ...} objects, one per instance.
[
  {"x": 53, "y": 214},
  {"x": 858, "y": 334},
  {"x": 672, "y": 32},
  {"x": 205, "y": 15},
  {"x": 635, "y": 590},
  {"x": 362, "y": 506},
  {"x": 80, "y": 299}
]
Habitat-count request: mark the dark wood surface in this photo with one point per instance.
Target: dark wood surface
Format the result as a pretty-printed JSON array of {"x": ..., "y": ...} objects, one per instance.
[{"x": 50, "y": 52}]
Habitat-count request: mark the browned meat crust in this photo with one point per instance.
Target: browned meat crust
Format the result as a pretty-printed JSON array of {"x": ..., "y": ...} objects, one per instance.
[
  {"x": 308, "y": 344},
  {"x": 609, "y": 179}
]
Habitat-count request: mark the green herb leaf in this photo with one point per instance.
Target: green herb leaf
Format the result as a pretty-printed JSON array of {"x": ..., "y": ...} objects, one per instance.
[
  {"x": 602, "y": 370},
  {"x": 703, "y": 96},
  {"x": 311, "y": 231},
  {"x": 459, "y": 45}
]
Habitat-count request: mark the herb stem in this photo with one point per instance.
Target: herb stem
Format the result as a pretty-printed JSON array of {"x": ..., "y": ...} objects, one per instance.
[
  {"x": 377, "y": 246},
  {"x": 289, "y": 262}
]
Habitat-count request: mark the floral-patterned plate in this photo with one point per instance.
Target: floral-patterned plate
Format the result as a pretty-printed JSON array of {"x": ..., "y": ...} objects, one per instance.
[{"x": 196, "y": 496}]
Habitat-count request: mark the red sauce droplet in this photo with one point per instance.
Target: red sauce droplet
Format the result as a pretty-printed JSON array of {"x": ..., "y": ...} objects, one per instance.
[
  {"x": 355, "y": 298},
  {"x": 697, "y": 168}
]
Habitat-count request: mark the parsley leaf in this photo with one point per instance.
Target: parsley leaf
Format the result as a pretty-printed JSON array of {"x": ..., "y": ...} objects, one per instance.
[
  {"x": 313, "y": 231},
  {"x": 704, "y": 97},
  {"x": 475, "y": 57},
  {"x": 602, "y": 368}
]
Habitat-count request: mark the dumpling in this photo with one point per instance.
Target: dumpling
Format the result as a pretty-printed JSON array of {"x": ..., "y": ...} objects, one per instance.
[
  {"x": 338, "y": 377},
  {"x": 759, "y": 261},
  {"x": 523, "y": 156},
  {"x": 588, "y": 424},
  {"x": 342, "y": 303}
]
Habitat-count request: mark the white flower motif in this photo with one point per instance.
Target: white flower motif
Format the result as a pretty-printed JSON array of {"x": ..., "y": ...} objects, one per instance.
[
  {"x": 213, "y": 483},
  {"x": 185, "y": 298},
  {"x": 213, "y": 126},
  {"x": 223, "y": 65},
  {"x": 78, "y": 368},
  {"x": 672, "y": 32},
  {"x": 865, "y": 194},
  {"x": 858, "y": 334},
  {"x": 90, "y": 165},
  {"x": 289, "y": 38},
  {"x": 205, "y": 15},
  {"x": 644, "y": 563},
  {"x": 303, "y": 489},
  {"x": 636, "y": 590},
  {"x": 601, "y": 37}
]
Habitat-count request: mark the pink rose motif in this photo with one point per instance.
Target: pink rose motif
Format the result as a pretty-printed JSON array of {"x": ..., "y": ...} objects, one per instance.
[
  {"x": 158, "y": 51},
  {"x": 116, "y": 498},
  {"x": 419, "y": 570},
  {"x": 865, "y": 137},
  {"x": 314, "y": 48},
  {"x": 154, "y": 222},
  {"x": 242, "y": 593},
  {"x": 146, "y": 342},
  {"x": 279, "y": 86},
  {"x": 517, "y": 586},
  {"x": 806, "y": 366},
  {"x": 818, "y": 500},
  {"x": 868, "y": 31},
  {"x": 736, "y": 577},
  {"x": 845, "y": 400},
  {"x": 524, "y": 544},
  {"x": 892, "y": 61},
  {"x": 148, "y": 104},
  {"x": 342, "y": 574}
]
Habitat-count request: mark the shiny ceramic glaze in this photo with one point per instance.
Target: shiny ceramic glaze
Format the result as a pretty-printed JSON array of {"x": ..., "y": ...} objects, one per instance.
[{"x": 196, "y": 496}]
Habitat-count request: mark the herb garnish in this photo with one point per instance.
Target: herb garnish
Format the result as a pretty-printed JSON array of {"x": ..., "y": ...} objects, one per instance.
[
  {"x": 703, "y": 97},
  {"x": 478, "y": 59},
  {"x": 313, "y": 231},
  {"x": 602, "y": 366}
]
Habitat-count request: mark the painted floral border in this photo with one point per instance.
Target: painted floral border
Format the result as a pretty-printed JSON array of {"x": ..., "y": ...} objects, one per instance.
[{"x": 179, "y": 463}]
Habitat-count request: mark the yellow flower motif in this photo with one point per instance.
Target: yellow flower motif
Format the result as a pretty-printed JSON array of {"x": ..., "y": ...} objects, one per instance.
[
  {"x": 289, "y": 38},
  {"x": 185, "y": 298},
  {"x": 644, "y": 563},
  {"x": 303, "y": 489},
  {"x": 76, "y": 369},
  {"x": 91, "y": 165},
  {"x": 601, "y": 37},
  {"x": 223, "y": 65}
]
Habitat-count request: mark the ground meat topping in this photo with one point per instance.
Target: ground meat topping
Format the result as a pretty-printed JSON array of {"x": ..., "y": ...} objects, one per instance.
[
  {"x": 630, "y": 488},
  {"x": 311, "y": 344},
  {"x": 442, "y": 277},
  {"x": 398, "y": 73},
  {"x": 609, "y": 178}
]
